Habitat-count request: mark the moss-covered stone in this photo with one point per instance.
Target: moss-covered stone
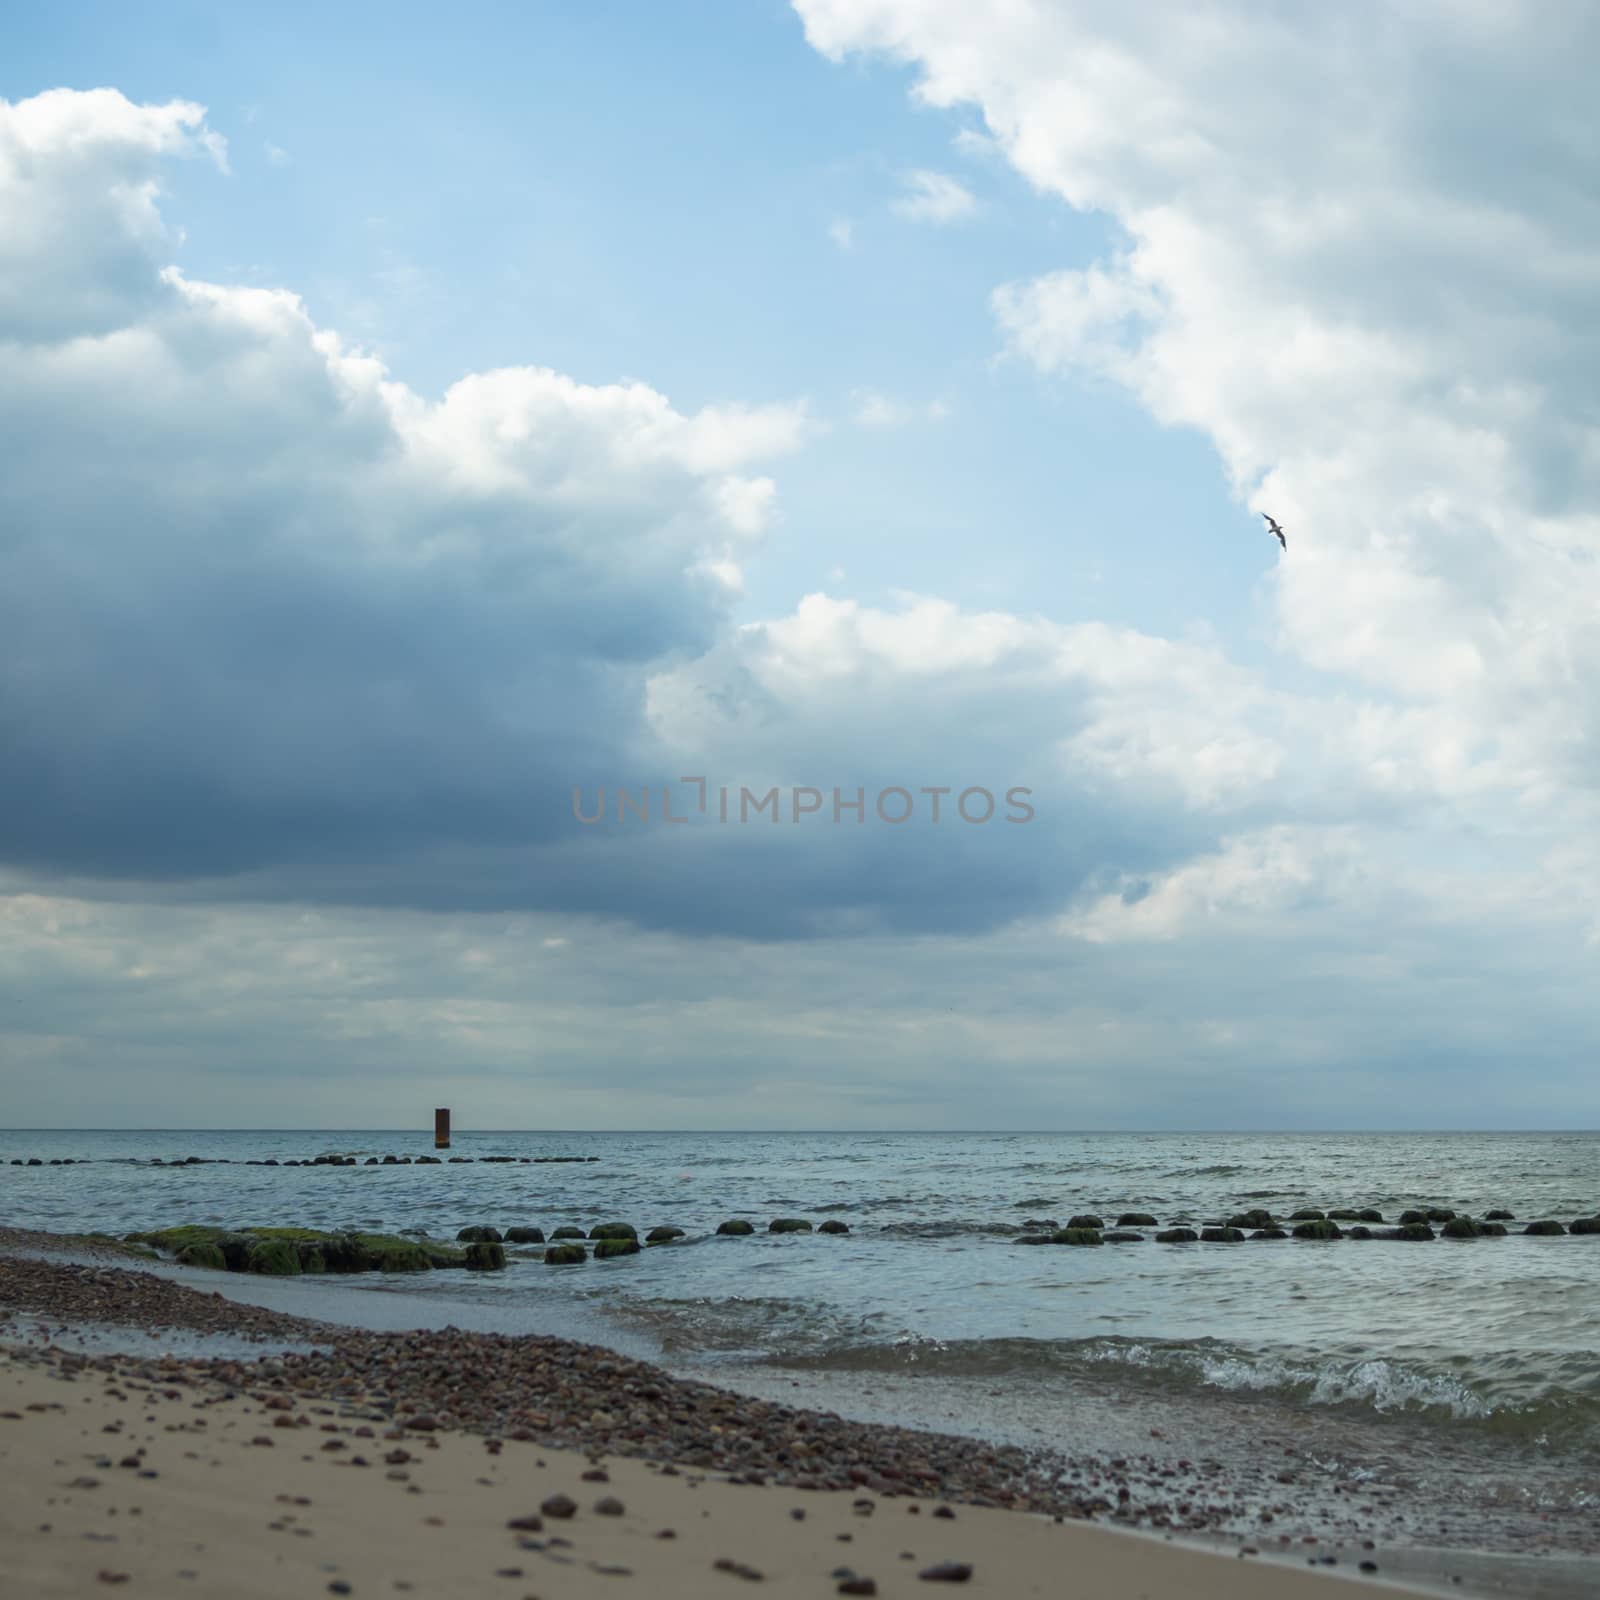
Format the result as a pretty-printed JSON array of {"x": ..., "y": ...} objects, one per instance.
[
  {"x": 1408, "y": 1218},
  {"x": 663, "y": 1235},
  {"x": 1343, "y": 1214},
  {"x": 406, "y": 1255},
  {"x": 1492, "y": 1230},
  {"x": 1087, "y": 1220},
  {"x": 1035, "y": 1238},
  {"x": 565, "y": 1255},
  {"x": 606, "y": 1248},
  {"x": 202, "y": 1255},
  {"x": 614, "y": 1230},
  {"x": 1546, "y": 1226},
  {"x": 1137, "y": 1219},
  {"x": 1256, "y": 1217},
  {"x": 313, "y": 1250},
  {"x": 1308, "y": 1214},
  {"x": 1499, "y": 1216},
  {"x": 524, "y": 1235},
  {"x": 567, "y": 1232},
  {"x": 279, "y": 1258},
  {"x": 1123, "y": 1236},
  {"x": 1372, "y": 1214},
  {"x": 1221, "y": 1235},
  {"x": 1076, "y": 1236},
  {"x": 479, "y": 1233},
  {"x": 1411, "y": 1231},
  {"x": 834, "y": 1225},
  {"x": 1460, "y": 1228},
  {"x": 1585, "y": 1225},
  {"x": 1440, "y": 1214},
  {"x": 1318, "y": 1228},
  {"x": 486, "y": 1255},
  {"x": 737, "y": 1226},
  {"x": 1359, "y": 1232},
  {"x": 1178, "y": 1236},
  {"x": 788, "y": 1225},
  {"x": 1273, "y": 1232}
]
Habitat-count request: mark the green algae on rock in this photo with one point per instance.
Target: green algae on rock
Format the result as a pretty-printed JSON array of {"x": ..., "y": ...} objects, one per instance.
[
  {"x": 1318, "y": 1228},
  {"x": 287, "y": 1252}
]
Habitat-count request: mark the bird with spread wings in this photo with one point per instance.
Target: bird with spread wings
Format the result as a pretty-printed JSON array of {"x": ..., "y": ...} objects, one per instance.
[{"x": 1272, "y": 524}]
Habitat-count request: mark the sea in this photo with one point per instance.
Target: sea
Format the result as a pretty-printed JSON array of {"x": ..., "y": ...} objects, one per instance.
[{"x": 1453, "y": 1387}]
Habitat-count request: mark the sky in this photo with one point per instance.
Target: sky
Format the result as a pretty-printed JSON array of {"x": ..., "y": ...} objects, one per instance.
[{"x": 421, "y": 433}]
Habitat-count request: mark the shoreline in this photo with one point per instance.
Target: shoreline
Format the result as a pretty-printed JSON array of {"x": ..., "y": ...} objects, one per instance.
[
  {"x": 562, "y": 1396},
  {"x": 141, "y": 1478}
]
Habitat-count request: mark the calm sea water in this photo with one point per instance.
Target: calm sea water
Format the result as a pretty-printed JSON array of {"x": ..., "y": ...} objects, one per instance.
[{"x": 1470, "y": 1365}]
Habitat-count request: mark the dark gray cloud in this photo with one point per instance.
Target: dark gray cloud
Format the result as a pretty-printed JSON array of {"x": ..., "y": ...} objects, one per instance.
[{"x": 271, "y": 624}]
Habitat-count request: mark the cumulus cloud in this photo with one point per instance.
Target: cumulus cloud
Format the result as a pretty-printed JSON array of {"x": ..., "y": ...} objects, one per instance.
[
  {"x": 934, "y": 197},
  {"x": 274, "y": 621},
  {"x": 1381, "y": 308},
  {"x": 262, "y": 601}
]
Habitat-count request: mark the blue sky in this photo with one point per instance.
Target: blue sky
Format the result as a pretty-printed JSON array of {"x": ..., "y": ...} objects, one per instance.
[{"x": 408, "y": 417}]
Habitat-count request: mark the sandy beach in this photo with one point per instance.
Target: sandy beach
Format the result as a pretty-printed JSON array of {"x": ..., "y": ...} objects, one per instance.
[
  {"x": 171, "y": 1487},
  {"x": 316, "y": 1470}
]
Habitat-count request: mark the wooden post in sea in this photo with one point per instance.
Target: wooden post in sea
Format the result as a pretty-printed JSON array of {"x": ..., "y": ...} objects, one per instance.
[{"x": 441, "y": 1128}]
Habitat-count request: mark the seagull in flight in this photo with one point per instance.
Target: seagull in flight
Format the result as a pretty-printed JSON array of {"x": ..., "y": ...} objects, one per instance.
[{"x": 1272, "y": 524}]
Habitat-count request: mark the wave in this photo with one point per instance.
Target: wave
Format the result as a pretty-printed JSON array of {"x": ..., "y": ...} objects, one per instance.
[{"x": 1531, "y": 1396}]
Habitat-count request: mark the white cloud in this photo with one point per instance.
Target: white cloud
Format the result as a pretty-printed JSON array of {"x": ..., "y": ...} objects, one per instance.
[
  {"x": 875, "y": 410},
  {"x": 1383, "y": 311},
  {"x": 275, "y": 154},
  {"x": 843, "y": 233},
  {"x": 79, "y": 221},
  {"x": 934, "y": 197}
]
